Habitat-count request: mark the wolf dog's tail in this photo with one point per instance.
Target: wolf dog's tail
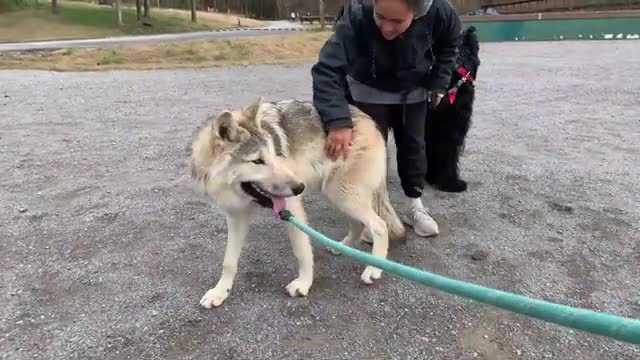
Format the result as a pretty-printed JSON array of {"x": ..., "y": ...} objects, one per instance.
[{"x": 382, "y": 207}]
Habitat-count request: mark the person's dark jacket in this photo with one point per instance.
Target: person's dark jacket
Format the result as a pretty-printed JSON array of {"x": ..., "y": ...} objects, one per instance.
[{"x": 424, "y": 55}]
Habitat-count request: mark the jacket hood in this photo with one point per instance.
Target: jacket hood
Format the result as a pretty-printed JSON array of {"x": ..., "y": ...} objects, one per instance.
[{"x": 422, "y": 7}]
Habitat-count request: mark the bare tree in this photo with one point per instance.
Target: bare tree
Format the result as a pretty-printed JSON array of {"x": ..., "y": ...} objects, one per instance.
[
  {"x": 118, "y": 9},
  {"x": 193, "y": 11},
  {"x": 321, "y": 11},
  {"x": 281, "y": 8},
  {"x": 138, "y": 10}
]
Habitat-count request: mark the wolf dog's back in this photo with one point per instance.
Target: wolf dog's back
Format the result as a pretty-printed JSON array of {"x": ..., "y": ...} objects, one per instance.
[{"x": 300, "y": 124}]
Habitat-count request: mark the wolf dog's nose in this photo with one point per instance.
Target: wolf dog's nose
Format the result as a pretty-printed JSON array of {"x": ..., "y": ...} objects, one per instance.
[{"x": 298, "y": 189}]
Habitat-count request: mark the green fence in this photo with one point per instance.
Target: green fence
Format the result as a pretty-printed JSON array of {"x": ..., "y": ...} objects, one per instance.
[{"x": 619, "y": 28}]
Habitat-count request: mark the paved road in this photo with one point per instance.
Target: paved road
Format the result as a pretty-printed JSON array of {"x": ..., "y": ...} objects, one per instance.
[
  {"x": 277, "y": 27},
  {"x": 105, "y": 253}
]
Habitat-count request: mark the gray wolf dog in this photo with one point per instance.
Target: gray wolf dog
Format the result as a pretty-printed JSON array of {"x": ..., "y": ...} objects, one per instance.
[{"x": 268, "y": 155}]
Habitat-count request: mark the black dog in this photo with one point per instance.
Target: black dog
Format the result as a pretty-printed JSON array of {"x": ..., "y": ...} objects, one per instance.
[{"x": 447, "y": 125}]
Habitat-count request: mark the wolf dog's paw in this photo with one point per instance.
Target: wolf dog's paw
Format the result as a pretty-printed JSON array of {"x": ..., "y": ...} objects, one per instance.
[
  {"x": 333, "y": 251},
  {"x": 214, "y": 297},
  {"x": 298, "y": 287},
  {"x": 370, "y": 274}
]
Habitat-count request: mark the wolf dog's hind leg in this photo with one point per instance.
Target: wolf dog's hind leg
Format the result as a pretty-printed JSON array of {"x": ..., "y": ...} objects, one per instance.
[
  {"x": 301, "y": 246},
  {"x": 237, "y": 229},
  {"x": 357, "y": 204},
  {"x": 355, "y": 234}
]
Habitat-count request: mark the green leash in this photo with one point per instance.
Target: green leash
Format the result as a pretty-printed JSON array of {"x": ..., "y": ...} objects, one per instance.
[{"x": 604, "y": 324}]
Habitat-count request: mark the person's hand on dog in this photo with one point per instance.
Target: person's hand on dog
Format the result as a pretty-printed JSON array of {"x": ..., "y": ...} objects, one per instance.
[
  {"x": 435, "y": 99},
  {"x": 338, "y": 143}
]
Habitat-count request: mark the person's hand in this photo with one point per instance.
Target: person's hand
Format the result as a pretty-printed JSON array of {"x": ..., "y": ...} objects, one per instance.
[
  {"x": 435, "y": 99},
  {"x": 338, "y": 143}
]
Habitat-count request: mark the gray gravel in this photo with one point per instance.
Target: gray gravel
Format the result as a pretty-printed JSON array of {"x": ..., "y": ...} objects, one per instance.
[{"x": 105, "y": 253}]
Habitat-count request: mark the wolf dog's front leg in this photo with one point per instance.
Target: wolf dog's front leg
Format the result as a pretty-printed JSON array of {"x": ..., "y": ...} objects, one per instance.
[
  {"x": 302, "y": 250},
  {"x": 237, "y": 228}
]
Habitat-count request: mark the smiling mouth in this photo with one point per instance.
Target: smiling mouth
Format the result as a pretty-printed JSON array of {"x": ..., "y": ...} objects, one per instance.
[
  {"x": 258, "y": 194},
  {"x": 263, "y": 197}
]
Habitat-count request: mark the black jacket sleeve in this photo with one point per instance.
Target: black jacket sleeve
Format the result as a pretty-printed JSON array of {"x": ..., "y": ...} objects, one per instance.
[
  {"x": 445, "y": 47},
  {"x": 329, "y": 75}
]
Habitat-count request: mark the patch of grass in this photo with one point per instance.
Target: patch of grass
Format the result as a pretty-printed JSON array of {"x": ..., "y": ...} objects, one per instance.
[
  {"x": 109, "y": 59},
  {"x": 83, "y": 20},
  {"x": 229, "y": 50},
  {"x": 277, "y": 49},
  {"x": 230, "y": 20}
]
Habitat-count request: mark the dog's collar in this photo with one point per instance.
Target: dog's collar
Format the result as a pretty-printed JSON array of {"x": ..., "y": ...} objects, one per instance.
[{"x": 465, "y": 75}]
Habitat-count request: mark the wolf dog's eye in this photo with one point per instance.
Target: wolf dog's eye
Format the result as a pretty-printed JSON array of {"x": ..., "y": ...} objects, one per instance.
[{"x": 258, "y": 162}]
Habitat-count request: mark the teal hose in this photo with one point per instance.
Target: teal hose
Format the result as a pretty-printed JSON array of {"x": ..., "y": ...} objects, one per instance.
[{"x": 604, "y": 324}]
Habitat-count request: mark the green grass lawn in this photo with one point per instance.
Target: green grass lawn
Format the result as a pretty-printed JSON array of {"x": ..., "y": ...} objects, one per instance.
[{"x": 83, "y": 20}]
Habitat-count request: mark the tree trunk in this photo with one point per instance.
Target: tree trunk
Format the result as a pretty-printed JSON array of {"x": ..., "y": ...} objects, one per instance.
[
  {"x": 321, "y": 5},
  {"x": 146, "y": 9},
  {"x": 138, "y": 10},
  {"x": 193, "y": 11},
  {"x": 54, "y": 7},
  {"x": 118, "y": 12},
  {"x": 280, "y": 9}
]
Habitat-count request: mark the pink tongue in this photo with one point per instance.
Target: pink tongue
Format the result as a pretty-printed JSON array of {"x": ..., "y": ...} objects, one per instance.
[{"x": 279, "y": 203}]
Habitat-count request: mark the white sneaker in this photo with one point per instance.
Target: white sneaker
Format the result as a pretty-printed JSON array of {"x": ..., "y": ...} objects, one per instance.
[{"x": 418, "y": 217}]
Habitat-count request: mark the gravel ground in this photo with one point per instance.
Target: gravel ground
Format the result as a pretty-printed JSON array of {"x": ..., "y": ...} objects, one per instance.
[{"x": 106, "y": 253}]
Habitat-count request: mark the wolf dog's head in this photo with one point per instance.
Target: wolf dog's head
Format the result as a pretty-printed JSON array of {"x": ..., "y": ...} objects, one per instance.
[{"x": 237, "y": 158}]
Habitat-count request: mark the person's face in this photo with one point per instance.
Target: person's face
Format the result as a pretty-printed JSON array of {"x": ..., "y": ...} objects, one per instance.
[{"x": 393, "y": 17}]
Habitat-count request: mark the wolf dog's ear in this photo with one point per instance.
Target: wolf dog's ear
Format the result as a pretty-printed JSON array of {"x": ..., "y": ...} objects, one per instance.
[
  {"x": 251, "y": 111},
  {"x": 225, "y": 127}
]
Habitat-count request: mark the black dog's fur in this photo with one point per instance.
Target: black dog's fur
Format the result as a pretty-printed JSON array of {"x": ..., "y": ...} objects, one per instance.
[{"x": 447, "y": 125}]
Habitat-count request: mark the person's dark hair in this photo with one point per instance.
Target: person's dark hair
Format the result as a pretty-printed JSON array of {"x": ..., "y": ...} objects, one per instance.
[
  {"x": 419, "y": 7},
  {"x": 413, "y": 4}
]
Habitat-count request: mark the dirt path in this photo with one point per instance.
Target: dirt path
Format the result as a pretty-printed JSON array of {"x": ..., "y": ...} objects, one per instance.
[
  {"x": 276, "y": 28},
  {"x": 105, "y": 254}
]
